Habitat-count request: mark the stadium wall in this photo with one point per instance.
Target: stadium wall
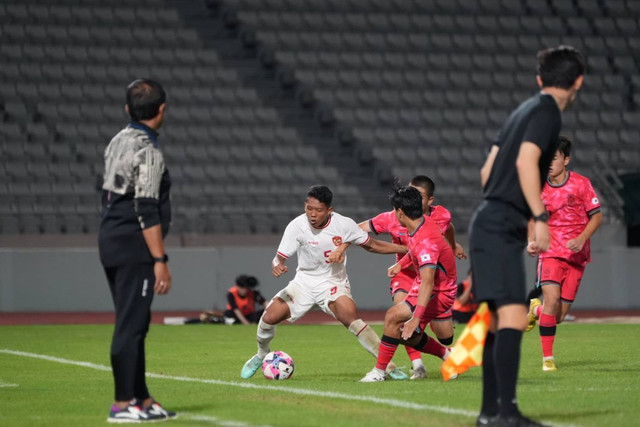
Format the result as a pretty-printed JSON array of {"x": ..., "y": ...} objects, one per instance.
[{"x": 71, "y": 279}]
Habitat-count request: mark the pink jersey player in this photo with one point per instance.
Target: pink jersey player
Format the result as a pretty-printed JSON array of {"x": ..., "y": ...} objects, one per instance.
[
  {"x": 569, "y": 204},
  {"x": 574, "y": 215},
  {"x": 429, "y": 249},
  {"x": 387, "y": 222}
]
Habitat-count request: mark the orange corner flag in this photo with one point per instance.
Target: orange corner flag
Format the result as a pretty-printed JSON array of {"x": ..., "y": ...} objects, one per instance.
[{"x": 467, "y": 351}]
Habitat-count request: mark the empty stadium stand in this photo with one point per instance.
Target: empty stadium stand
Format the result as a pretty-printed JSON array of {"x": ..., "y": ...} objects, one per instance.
[{"x": 267, "y": 97}]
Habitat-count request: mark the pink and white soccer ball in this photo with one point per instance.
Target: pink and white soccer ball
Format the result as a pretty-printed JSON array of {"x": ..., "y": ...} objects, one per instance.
[{"x": 277, "y": 365}]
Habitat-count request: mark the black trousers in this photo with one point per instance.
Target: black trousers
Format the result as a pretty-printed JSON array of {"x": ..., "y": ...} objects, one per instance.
[{"x": 132, "y": 292}]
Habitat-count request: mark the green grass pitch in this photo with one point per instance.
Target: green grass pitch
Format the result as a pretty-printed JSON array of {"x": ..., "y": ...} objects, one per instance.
[{"x": 195, "y": 369}]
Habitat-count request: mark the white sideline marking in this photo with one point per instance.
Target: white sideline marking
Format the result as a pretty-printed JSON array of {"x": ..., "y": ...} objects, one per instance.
[
  {"x": 217, "y": 421},
  {"x": 7, "y": 385},
  {"x": 299, "y": 391}
]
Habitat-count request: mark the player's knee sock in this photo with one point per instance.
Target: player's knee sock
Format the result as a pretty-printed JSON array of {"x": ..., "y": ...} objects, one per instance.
[
  {"x": 547, "y": 333},
  {"x": 266, "y": 332},
  {"x": 538, "y": 311},
  {"x": 367, "y": 336},
  {"x": 388, "y": 346},
  {"x": 431, "y": 346},
  {"x": 489, "y": 381},
  {"x": 507, "y": 362},
  {"x": 446, "y": 341},
  {"x": 413, "y": 354}
]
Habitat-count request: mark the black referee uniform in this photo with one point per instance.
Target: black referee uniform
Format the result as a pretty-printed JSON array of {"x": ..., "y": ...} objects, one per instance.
[
  {"x": 135, "y": 197},
  {"x": 498, "y": 230}
]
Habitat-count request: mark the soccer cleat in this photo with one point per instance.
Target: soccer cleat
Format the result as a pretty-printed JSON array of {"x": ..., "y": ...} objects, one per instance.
[
  {"x": 373, "y": 376},
  {"x": 419, "y": 373},
  {"x": 487, "y": 420},
  {"x": 549, "y": 365},
  {"x": 397, "y": 374},
  {"x": 535, "y": 303},
  {"x": 157, "y": 409},
  {"x": 518, "y": 420},
  {"x": 132, "y": 414},
  {"x": 251, "y": 367}
]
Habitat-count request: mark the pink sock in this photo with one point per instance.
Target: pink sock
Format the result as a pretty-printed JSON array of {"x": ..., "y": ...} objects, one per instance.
[
  {"x": 547, "y": 333},
  {"x": 434, "y": 347},
  {"x": 413, "y": 353},
  {"x": 385, "y": 354}
]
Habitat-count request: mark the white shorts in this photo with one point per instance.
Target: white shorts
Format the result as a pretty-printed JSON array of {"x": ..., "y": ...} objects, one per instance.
[{"x": 303, "y": 297}]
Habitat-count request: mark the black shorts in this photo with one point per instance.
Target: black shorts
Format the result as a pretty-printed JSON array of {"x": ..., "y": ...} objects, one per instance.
[{"x": 497, "y": 239}]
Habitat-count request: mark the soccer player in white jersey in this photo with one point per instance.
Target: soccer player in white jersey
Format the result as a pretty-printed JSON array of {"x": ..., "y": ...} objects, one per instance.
[{"x": 321, "y": 276}]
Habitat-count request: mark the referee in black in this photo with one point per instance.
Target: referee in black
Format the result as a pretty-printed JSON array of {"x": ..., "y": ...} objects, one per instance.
[
  {"x": 136, "y": 213},
  {"x": 512, "y": 179}
]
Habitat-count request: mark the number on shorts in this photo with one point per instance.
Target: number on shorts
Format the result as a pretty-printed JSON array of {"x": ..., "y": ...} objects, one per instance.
[{"x": 333, "y": 290}]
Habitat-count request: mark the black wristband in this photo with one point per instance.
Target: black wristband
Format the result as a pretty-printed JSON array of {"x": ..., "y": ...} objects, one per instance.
[
  {"x": 543, "y": 217},
  {"x": 163, "y": 259}
]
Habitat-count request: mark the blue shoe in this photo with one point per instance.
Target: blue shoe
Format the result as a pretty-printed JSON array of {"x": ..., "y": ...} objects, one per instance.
[
  {"x": 397, "y": 374},
  {"x": 251, "y": 367}
]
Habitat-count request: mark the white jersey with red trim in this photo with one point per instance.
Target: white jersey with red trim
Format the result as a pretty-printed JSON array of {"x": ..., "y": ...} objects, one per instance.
[{"x": 313, "y": 246}]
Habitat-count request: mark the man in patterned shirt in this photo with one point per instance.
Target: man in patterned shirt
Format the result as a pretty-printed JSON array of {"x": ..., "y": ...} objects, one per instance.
[
  {"x": 574, "y": 215},
  {"x": 136, "y": 213},
  {"x": 433, "y": 290},
  {"x": 321, "y": 277}
]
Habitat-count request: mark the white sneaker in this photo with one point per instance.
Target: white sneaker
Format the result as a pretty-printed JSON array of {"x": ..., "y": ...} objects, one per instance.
[
  {"x": 373, "y": 376},
  {"x": 419, "y": 373}
]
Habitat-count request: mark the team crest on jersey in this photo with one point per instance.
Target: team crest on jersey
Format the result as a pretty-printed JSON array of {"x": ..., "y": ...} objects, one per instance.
[{"x": 337, "y": 240}]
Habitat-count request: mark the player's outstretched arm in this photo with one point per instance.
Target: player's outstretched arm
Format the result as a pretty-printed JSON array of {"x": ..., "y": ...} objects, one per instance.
[
  {"x": 277, "y": 266},
  {"x": 382, "y": 247},
  {"x": 337, "y": 256}
]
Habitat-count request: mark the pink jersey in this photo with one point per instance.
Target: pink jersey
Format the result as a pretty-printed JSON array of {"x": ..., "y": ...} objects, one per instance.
[
  {"x": 429, "y": 249},
  {"x": 570, "y": 205},
  {"x": 387, "y": 222}
]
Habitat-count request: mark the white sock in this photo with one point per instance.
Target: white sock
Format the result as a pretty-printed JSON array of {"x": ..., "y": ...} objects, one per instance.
[
  {"x": 367, "y": 336},
  {"x": 417, "y": 364},
  {"x": 265, "y": 334}
]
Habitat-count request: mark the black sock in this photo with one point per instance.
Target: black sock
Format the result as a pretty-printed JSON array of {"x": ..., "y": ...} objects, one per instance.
[
  {"x": 489, "y": 383},
  {"x": 507, "y": 360}
]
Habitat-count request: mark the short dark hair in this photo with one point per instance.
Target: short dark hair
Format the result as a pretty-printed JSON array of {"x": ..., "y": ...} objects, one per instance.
[
  {"x": 560, "y": 66},
  {"x": 408, "y": 199},
  {"x": 144, "y": 98},
  {"x": 246, "y": 281},
  {"x": 321, "y": 193},
  {"x": 564, "y": 145},
  {"x": 425, "y": 182}
]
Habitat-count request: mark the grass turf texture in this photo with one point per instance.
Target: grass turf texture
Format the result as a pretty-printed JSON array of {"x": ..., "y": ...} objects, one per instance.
[{"x": 596, "y": 383}]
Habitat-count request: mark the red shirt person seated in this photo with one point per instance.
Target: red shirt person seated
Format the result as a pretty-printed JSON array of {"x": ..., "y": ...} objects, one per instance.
[{"x": 244, "y": 303}]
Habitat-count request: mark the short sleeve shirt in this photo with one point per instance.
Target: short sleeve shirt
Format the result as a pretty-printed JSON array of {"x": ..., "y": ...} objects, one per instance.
[
  {"x": 313, "y": 246},
  {"x": 570, "y": 205},
  {"x": 536, "y": 120},
  {"x": 429, "y": 249}
]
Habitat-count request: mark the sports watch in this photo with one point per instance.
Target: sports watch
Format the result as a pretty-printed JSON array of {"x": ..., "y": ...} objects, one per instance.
[
  {"x": 543, "y": 217},
  {"x": 163, "y": 259}
]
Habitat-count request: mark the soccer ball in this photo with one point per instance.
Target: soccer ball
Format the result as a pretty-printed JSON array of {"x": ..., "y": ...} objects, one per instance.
[{"x": 277, "y": 365}]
